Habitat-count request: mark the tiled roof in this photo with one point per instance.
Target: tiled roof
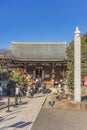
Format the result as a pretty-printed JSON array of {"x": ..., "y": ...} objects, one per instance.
[{"x": 39, "y": 51}]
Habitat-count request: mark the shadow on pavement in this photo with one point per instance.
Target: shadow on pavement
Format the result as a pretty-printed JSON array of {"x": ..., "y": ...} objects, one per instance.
[
  {"x": 39, "y": 96},
  {"x": 17, "y": 125},
  {"x": 3, "y": 119},
  {"x": 20, "y": 124}
]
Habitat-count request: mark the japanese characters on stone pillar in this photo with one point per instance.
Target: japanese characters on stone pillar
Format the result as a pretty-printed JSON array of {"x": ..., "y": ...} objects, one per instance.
[{"x": 77, "y": 66}]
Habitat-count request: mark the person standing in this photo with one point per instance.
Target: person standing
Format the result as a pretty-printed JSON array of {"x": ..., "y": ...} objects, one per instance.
[
  {"x": 43, "y": 87},
  {"x": 52, "y": 82},
  {"x": 16, "y": 93},
  {"x": 0, "y": 90},
  {"x": 31, "y": 91},
  {"x": 28, "y": 91}
]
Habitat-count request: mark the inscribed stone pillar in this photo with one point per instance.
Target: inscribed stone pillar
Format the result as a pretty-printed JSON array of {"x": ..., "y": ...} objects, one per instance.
[{"x": 77, "y": 66}]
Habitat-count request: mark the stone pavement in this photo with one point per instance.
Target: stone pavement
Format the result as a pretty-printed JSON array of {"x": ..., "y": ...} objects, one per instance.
[
  {"x": 23, "y": 116},
  {"x": 30, "y": 115},
  {"x": 59, "y": 119},
  {"x": 4, "y": 101}
]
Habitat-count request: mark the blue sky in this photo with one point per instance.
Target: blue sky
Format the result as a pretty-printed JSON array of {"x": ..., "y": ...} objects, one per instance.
[{"x": 41, "y": 20}]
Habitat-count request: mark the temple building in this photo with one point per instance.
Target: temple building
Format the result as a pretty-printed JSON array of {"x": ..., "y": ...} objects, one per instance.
[{"x": 44, "y": 60}]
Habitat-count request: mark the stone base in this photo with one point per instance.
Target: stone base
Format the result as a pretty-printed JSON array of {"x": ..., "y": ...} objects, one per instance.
[
  {"x": 67, "y": 105},
  {"x": 71, "y": 105},
  {"x": 64, "y": 104}
]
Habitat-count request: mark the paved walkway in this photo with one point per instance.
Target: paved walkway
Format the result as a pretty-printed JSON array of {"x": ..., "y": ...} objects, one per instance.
[
  {"x": 22, "y": 117},
  {"x": 28, "y": 116},
  {"x": 56, "y": 119},
  {"x": 4, "y": 101}
]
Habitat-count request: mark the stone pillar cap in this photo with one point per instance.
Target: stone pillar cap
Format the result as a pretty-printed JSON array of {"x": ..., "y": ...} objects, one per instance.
[{"x": 77, "y": 30}]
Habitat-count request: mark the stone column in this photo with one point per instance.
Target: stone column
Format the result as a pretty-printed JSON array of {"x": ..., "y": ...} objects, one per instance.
[{"x": 77, "y": 66}]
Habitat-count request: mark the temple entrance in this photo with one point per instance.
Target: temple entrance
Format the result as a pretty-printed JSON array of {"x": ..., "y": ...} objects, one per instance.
[{"x": 38, "y": 73}]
